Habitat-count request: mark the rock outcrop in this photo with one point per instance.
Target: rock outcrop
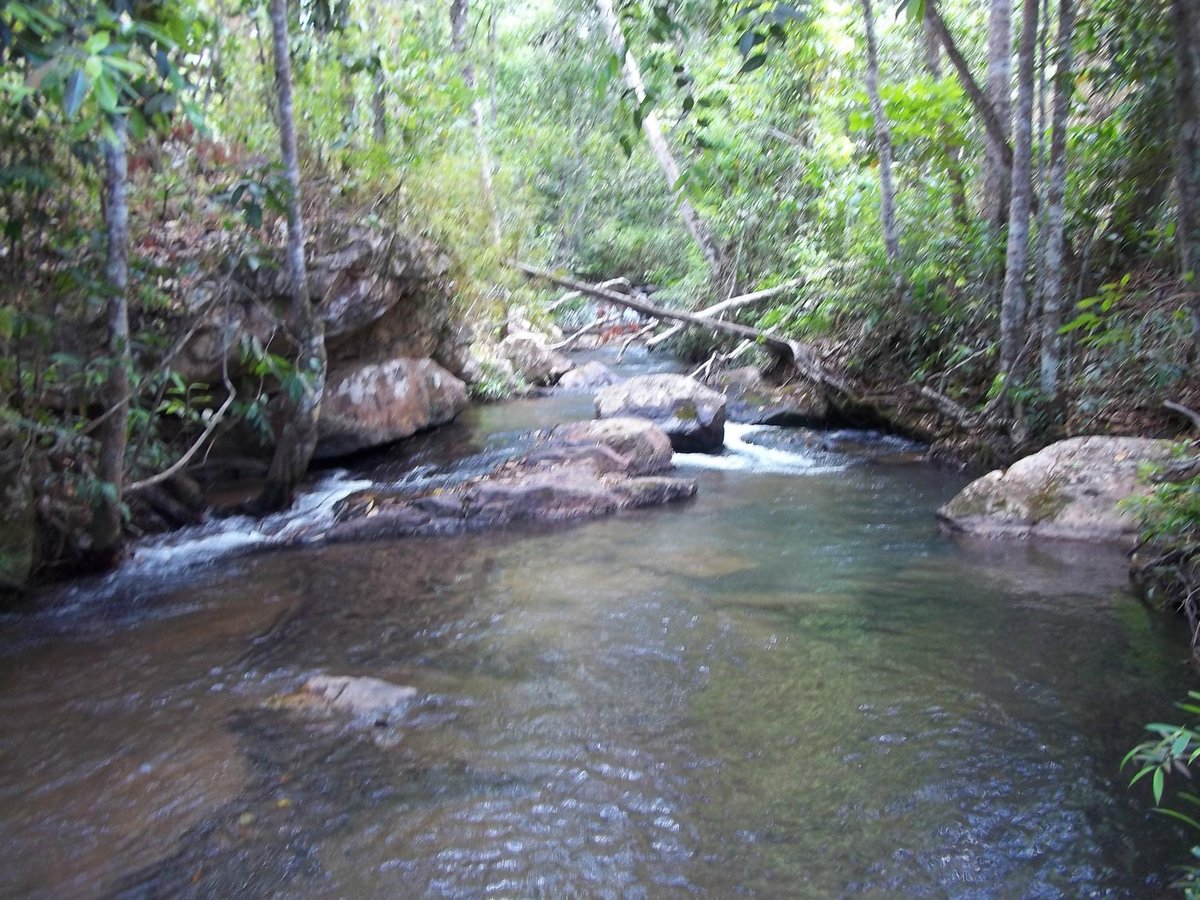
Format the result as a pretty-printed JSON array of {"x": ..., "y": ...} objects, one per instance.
[
  {"x": 1072, "y": 490},
  {"x": 692, "y": 415},
  {"x": 532, "y": 358},
  {"x": 373, "y": 404},
  {"x": 381, "y": 295},
  {"x": 570, "y": 476},
  {"x": 753, "y": 400}
]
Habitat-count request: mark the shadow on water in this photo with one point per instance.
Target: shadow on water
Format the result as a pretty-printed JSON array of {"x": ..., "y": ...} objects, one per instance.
[{"x": 793, "y": 686}]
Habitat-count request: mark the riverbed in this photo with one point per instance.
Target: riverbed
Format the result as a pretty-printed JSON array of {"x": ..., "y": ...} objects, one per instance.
[{"x": 793, "y": 685}]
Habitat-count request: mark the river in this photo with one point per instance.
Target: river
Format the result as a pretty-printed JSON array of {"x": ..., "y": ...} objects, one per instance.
[{"x": 791, "y": 686}]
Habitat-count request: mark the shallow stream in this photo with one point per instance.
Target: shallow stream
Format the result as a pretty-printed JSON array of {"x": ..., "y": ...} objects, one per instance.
[{"x": 791, "y": 686}]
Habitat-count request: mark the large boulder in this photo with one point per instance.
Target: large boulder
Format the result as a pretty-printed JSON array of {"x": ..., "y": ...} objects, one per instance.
[
  {"x": 532, "y": 357},
  {"x": 753, "y": 400},
  {"x": 377, "y": 403},
  {"x": 591, "y": 374},
  {"x": 644, "y": 444},
  {"x": 1072, "y": 489},
  {"x": 692, "y": 415}
]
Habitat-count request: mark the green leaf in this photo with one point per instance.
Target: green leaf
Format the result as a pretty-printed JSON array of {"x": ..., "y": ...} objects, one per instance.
[
  {"x": 1157, "y": 785},
  {"x": 754, "y": 62},
  {"x": 77, "y": 88}
]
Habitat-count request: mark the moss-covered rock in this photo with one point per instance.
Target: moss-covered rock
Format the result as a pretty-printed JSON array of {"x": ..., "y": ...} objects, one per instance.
[{"x": 1071, "y": 490}]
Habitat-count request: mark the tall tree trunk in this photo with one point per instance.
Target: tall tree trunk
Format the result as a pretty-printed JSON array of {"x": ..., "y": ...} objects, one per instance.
[
  {"x": 997, "y": 169},
  {"x": 459, "y": 15},
  {"x": 652, "y": 129},
  {"x": 883, "y": 140},
  {"x": 954, "y": 166},
  {"x": 1013, "y": 303},
  {"x": 298, "y": 437},
  {"x": 1187, "y": 99},
  {"x": 1054, "y": 240},
  {"x": 997, "y": 131},
  {"x": 114, "y": 432}
]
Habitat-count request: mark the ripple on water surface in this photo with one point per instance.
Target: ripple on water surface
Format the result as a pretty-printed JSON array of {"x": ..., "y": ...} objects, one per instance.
[{"x": 793, "y": 686}]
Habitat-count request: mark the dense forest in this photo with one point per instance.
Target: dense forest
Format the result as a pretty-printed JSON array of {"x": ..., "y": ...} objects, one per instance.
[{"x": 972, "y": 224}]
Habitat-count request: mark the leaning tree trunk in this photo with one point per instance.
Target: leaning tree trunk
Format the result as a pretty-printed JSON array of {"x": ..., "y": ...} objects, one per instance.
[
  {"x": 298, "y": 437},
  {"x": 652, "y": 129},
  {"x": 1054, "y": 241},
  {"x": 883, "y": 140},
  {"x": 106, "y": 515},
  {"x": 459, "y": 13},
  {"x": 997, "y": 170},
  {"x": 954, "y": 166},
  {"x": 1014, "y": 301},
  {"x": 1187, "y": 99}
]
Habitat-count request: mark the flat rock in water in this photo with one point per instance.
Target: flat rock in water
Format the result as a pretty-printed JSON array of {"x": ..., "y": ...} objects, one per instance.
[
  {"x": 590, "y": 375},
  {"x": 646, "y": 446},
  {"x": 362, "y": 697},
  {"x": 1070, "y": 490},
  {"x": 556, "y": 481},
  {"x": 692, "y": 415}
]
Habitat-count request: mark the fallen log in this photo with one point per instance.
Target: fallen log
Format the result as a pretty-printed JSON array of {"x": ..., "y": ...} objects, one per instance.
[
  {"x": 802, "y": 357},
  {"x": 725, "y": 305}
]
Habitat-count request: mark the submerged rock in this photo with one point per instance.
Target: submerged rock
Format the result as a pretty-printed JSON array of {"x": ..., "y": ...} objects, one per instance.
[
  {"x": 1072, "y": 490},
  {"x": 565, "y": 478},
  {"x": 590, "y": 375},
  {"x": 531, "y": 356},
  {"x": 362, "y": 697},
  {"x": 753, "y": 400},
  {"x": 378, "y": 403},
  {"x": 692, "y": 415}
]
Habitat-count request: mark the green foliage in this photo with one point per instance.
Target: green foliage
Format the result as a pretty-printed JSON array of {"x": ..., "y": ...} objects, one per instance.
[{"x": 1173, "y": 751}]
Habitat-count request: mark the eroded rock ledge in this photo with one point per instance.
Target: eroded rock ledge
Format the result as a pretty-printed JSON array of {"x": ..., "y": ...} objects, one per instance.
[{"x": 582, "y": 470}]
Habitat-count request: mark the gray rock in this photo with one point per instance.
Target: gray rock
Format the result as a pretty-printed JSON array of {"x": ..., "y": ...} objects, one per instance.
[
  {"x": 370, "y": 699},
  {"x": 645, "y": 446},
  {"x": 375, "y": 404},
  {"x": 753, "y": 400},
  {"x": 531, "y": 356},
  {"x": 692, "y": 415},
  {"x": 558, "y": 481},
  {"x": 590, "y": 375},
  {"x": 1070, "y": 490}
]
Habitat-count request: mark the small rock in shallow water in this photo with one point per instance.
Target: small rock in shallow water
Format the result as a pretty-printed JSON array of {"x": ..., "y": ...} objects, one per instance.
[{"x": 361, "y": 696}]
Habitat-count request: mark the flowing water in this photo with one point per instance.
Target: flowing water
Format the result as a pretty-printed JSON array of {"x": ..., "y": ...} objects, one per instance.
[{"x": 791, "y": 686}]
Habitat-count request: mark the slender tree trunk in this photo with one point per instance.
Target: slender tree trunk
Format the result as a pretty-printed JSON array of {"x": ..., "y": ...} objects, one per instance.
[
  {"x": 298, "y": 437},
  {"x": 114, "y": 432},
  {"x": 1054, "y": 240},
  {"x": 459, "y": 15},
  {"x": 1014, "y": 300},
  {"x": 954, "y": 166},
  {"x": 378, "y": 81},
  {"x": 1187, "y": 99},
  {"x": 883, "y": 140},
  {"x": 652, "y": 129},
  {"x": 493, "y": 14},
  {"x": 997, "y": 167}
]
